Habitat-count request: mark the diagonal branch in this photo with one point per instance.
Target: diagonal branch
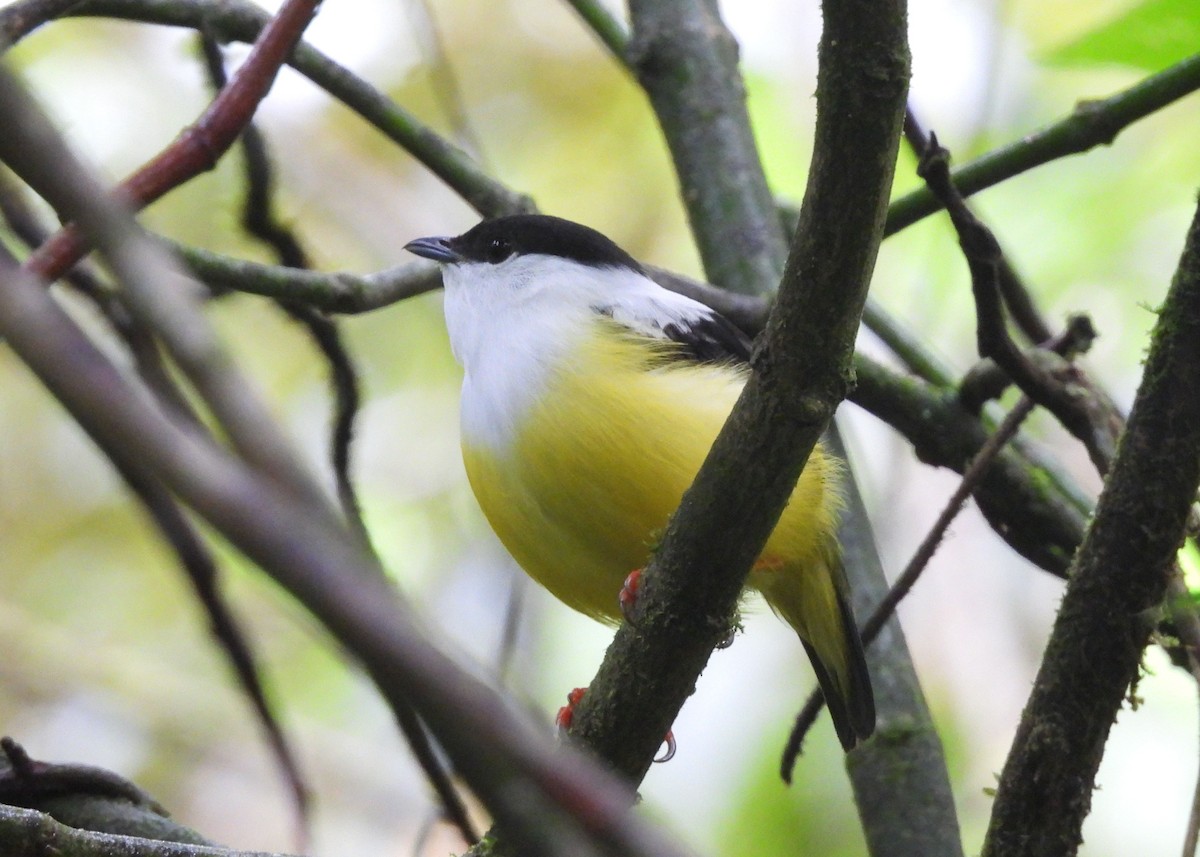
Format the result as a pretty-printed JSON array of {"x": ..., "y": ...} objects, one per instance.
[
  {"x": 201, "y": 145},
  {"x": 1117, "y": 583},
  {"x": 686, "y": 60},
  {"x": 1084, "y": 416},
  {"x": 692, "y": 584},
  {"x": 194, "y": 555},
  {"x": 552, "y": 804},
  {"x": 238, "y": 20},
  {"x": 1090, "y": 124}
]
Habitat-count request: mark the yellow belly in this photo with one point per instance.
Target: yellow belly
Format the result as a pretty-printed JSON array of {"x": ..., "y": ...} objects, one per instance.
[{"x": 599, "y": 464}]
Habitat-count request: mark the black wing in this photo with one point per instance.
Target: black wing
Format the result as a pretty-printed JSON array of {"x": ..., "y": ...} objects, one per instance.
[
  {"x": 699, "y": 335},
  {"x": 710, "y": 339}
]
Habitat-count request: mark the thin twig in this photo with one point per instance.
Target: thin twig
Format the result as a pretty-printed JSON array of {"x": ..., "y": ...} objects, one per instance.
[
  {"x": 549, "y": 802},
  {"x": 1082, "y": 416},
  {"x": 611, "y": 32},
  {"x": 514, "y": 609},
  {"x": 201, "y": 145},
  {"x": 986, "y": 380},
  {"x": 260, "y": 220},
  {"x": 1025, "y": 314},
  {"x": 445, "y": 83},
  {"x": 908, "y": 578},
  {"x": 337, "y": 291},
  {"x": 257, "y": 218},
  {"x": 238, "y": 20},
  {"x": 911, "y": 351},
  {"x": 1181, "y": 614},
  {"x": 1090, "y": 124}
]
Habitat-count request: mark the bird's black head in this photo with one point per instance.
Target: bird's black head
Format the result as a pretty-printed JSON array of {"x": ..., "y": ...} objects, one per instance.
[{"x": 494, "y": 241}]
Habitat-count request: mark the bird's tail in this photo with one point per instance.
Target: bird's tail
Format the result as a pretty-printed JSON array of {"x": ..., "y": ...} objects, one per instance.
[{"x": 814, "y": 601}]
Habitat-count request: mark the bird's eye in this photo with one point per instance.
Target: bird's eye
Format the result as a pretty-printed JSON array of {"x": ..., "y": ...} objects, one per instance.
[{"x": 498, "y": 249}]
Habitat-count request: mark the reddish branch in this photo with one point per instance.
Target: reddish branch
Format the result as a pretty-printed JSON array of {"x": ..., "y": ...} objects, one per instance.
[{"x": 200, "y": 146}]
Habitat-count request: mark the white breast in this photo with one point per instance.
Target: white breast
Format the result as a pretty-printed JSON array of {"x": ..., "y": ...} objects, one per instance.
[{"x": 514, "y": 325}]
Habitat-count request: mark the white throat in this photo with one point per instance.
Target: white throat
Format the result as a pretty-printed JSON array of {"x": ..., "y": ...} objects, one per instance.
[{"x": 513, "y": 325}]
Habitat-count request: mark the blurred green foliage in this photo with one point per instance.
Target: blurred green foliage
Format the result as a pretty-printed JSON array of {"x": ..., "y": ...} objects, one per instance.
[
  {"x": 1150, "y": 35},
  {"x": 107, "y": 658}
]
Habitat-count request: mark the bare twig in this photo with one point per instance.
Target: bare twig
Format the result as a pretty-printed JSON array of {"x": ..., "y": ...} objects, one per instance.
[
  {"x": 260, "y": 220},
  {"x": 238, "y": 20},
  {"x": 336, "y": 291},
  {"x": 1181, "y": 611},
  {"x": 903, "y": 343},
  {"x": 550, "y": 804},
  {"x": 200, "y": 146},
  {"x": 1090, "y": 424},
  {"x": 987, "y": 380},
  {"x": 445, "y": 83},
  {"x": 1024, "y": 311},
  {"x": 908, "y": 578},
  {"x": 608, "y": 29},
  {"x": 1090, "y": 124}
]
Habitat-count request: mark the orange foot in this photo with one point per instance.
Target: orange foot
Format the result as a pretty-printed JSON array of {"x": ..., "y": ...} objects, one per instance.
[
  {"x": 566, "y": 715},
  {"x": 629, "y": 594}
]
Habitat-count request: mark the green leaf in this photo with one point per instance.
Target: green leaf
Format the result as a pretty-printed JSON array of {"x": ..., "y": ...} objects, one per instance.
[{"x": 1151, "y": 35}]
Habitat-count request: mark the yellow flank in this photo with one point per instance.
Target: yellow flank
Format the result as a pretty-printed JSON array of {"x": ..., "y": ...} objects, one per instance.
[{"x": 600, "y": 463}]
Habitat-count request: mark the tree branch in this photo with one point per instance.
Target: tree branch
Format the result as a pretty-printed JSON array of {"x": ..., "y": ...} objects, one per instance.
[
  {"x": 691, "y": 587},
  {"x": 201, "y": 145},
  {"x": 912, "y": 762},
  {"x": 608, "y": 29},
  {"x": 686, "y": 60},
  {"x": 1114, "y": 590},
  {"x": 28, "y": 833},
  {"x": 158, "y": 299},
  {"x": 1091, "y": 124},
  {"x": 1082, "y": 415},
  {"x": 238, "y": 20},
  {"x": 550, "y": 803}
]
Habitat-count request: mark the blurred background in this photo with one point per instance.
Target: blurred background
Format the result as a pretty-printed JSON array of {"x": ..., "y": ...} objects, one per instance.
[{"x": 107, "y": 658}]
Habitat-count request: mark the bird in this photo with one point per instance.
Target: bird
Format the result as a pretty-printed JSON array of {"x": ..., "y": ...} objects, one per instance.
[{"x": 590, "y": 397}]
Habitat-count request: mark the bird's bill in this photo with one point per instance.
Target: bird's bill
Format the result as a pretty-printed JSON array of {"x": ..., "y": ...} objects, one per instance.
[{"x": 438, "y": 249}]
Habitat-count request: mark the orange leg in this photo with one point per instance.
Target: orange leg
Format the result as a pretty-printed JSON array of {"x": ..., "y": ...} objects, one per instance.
[
  {"x": 629, "y": 593},
  {"x": 566, "y": 715}
]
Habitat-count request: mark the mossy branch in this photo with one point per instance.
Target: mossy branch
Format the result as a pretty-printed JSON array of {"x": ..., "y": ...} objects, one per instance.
[
  {"x": 1114, "y": 592},
  {"x": 692, "y": 585}
]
